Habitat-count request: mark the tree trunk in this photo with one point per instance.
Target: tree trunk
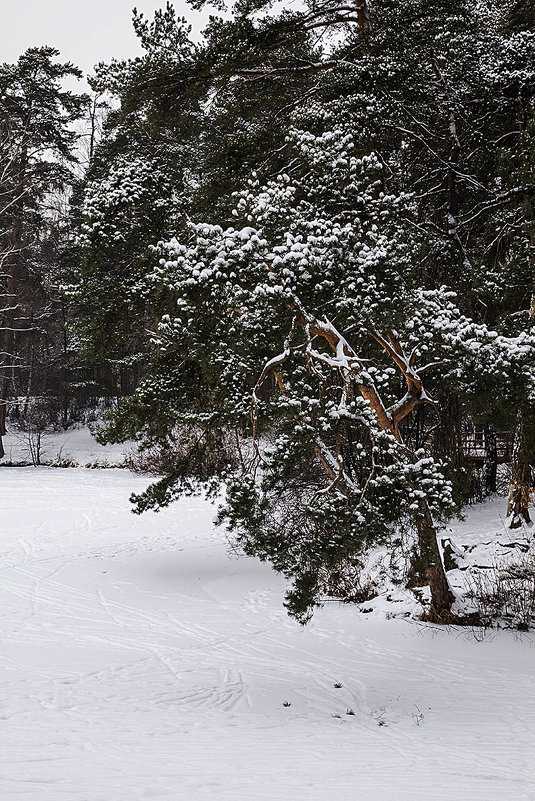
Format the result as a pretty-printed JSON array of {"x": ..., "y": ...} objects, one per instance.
[
  {"x": 12, "y": 267},
  {"x": 521, "y": 483},
  {"x": 8, "y": 346},
  {"x": 442, "y": 597},
  {"x": 491, "y": 460}
]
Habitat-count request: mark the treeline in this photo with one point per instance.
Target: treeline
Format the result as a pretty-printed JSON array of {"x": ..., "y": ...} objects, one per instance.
[
  {"x": 307, "y": 242},
  {"x": 44, "y": 376}
]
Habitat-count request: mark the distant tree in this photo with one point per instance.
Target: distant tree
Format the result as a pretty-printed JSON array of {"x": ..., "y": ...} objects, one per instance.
[{"x": 36, "y": 137}]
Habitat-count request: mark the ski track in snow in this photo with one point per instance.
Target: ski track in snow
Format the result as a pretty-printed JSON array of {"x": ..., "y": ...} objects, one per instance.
[{"x": 139, "y": 660}]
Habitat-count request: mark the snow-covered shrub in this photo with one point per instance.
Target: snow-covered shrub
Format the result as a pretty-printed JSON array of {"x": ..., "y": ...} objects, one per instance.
[{"x": 505, "y": 592}]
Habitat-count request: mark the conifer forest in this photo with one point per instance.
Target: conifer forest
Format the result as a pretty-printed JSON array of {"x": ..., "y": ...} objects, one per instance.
[{"x": 275, "y": 282}]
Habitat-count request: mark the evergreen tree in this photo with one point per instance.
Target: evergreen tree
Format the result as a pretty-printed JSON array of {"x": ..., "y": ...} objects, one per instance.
[
  {"x": 311, "y": 323},
  {"x": 321, "y": 262},
  {"x": 156, "y": 166}
]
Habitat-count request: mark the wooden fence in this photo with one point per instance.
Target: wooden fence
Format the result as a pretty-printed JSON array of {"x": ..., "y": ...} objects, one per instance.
[{"x": 474, "y": 447}]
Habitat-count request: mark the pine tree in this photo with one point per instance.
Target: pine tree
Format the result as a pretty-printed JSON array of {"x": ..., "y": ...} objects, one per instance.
[
  {"x": 309, "y": 292},
  {"x": 156, "y": 166},
  {"x": 311, "y": 321}
]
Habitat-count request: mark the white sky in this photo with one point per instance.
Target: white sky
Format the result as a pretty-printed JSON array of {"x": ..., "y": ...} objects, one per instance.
[{"x": 85, "y": 31}]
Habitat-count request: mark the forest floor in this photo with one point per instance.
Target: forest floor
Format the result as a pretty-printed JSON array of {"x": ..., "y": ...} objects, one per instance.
[{"x": 140, "y": 659}]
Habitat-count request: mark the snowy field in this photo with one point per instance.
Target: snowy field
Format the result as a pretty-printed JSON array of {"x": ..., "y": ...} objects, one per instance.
[{"x": 140, "y": 661}]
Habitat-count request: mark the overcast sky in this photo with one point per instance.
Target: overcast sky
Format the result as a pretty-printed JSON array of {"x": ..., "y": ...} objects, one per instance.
[{"x": 85, "y": 31}]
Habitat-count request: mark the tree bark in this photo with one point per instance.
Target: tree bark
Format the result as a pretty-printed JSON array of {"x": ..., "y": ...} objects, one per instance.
[
  {"x": 442, "y": 597},
  {"x": 521, "y": 481}
]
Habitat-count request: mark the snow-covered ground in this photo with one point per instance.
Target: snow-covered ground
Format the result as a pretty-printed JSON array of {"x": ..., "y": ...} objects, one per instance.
[{"x": 140, "y": 660}]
